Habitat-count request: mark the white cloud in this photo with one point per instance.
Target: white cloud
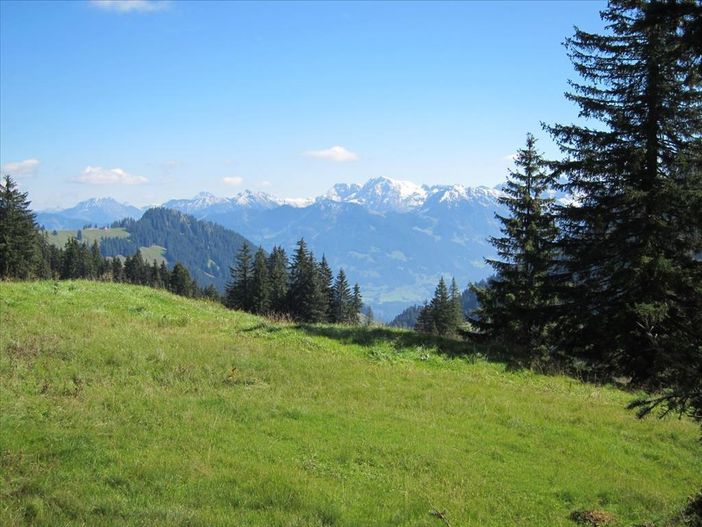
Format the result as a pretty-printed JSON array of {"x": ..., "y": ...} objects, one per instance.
[
  {"x": 233, "y": 180},
  {"x": 510, "y": 157},
  {"x": 338, "y": 154},
  {"x": 127, "y": 6},
  {"x": 108, "y": 176},
  {"x": 21, "y": 168},
  {"x": 265, "y": 184}
]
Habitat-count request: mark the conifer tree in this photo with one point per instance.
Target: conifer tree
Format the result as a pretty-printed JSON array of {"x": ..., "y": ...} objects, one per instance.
[
  {"x": 342, "y": 302},
  {"x": 238, "y": 293},
  {"x": 326, "y": 280},
  {"x": 260, "y": 284},
  {"x": 632, "y": 241},
  {"x": 278, "y": 278},
  {"x": 180, "y": 281},
  {"x": 18, "y": 234},
  {"x": 117, "y": 270},
  {"x": 456, "y": 307},
  {"x": 135, "y": 269},
  {"x": 306, "y": 298},
  {"x": 516, "y": 305},
  {"x": 356, "y": 305}
]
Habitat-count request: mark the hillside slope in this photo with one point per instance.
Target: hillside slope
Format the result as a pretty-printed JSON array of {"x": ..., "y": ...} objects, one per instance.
[
  {"x": 122, "y": 405},
  {"x": 206, "y": 249}
]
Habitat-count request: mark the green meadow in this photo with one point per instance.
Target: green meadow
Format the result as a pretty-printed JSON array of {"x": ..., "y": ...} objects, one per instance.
[
  {"x": 89, "y": 235},
  {"x": 123, "y": 405}
]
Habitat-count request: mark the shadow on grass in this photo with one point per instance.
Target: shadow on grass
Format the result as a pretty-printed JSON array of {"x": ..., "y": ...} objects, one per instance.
[{"x": 371, "y": 336}]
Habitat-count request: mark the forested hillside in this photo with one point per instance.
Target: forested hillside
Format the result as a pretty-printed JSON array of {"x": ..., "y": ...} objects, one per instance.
[{"x": 205, "y": 249}]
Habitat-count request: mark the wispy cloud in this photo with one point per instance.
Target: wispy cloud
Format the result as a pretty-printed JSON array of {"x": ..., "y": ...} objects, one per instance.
[
  {"x": 265, "y": 184},
  {"x": 338, "y": 154},
  {"x": 233, "y": 180},
  {"x": 510, "y": 157},
  {"x": 128, "y": 6},
  {"x": 108, "y": 176},
  {"x": 28, "y": 167}
]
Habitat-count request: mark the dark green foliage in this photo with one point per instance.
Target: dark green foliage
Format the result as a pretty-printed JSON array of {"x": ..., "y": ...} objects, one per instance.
[
  {"x": 407, "y": 318},
  {"x": 180, "y": 281},
  {"x": 278, "y": 278},
  {"x": 326, "y": 279},
  {"x": 210, "y": 292},
  {"x": 342, "y": 308},
  {"x": 260, "y": 284},
  {"x": 301, "y": 289},
  {"x": 19, "y": 243},
  {"x": 204, "y": 248},
  {"x": 469, "y": 303},
  {"x": 632, "y": 243},
  {"x": 238, "y": 294},
  {"x": 516, "y": 306},
  {"x": 443, "y": 315},
  {"x": 356, "y": 304},
  {"x": 306, "y": 297}
]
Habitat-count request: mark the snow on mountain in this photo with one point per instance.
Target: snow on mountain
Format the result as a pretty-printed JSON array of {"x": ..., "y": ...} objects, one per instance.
[
  {"x": 254, "y": 200},
  {"x": 201, "y": 201},
  {"x": 380, "y": 194}
]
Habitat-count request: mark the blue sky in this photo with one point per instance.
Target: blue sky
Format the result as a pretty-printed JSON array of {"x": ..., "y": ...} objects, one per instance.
[{"x": 149, "y": 101}]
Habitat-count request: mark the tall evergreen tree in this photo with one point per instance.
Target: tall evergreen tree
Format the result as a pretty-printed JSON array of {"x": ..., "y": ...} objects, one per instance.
[
  {"x": 341, "y": 311},
  {"x": 456, "y": 307},
  {"x": 260, "y": 284},
  {"x": 306, "y": 298},
  {"x": 356, "y": 304},
  {"x": 238, "y": 293},
  {"x": 278, "y": 278},
  {"x": 18, "y": 234},
  {"x": 632, "y": 241},
  {"x": 326, "y": 280},
  {"x": 517, "y": 304},
  {"x": 180, "y": 281}
]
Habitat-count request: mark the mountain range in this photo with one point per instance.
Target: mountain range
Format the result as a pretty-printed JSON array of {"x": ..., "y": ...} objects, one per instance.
[{"x": 393, "y": 237}]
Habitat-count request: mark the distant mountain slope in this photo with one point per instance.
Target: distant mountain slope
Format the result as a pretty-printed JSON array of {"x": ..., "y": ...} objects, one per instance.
[
  {"x": 393, "y": 237},
  {"x": 206, "y": 249},
  {"x": 96, "y": 211}
]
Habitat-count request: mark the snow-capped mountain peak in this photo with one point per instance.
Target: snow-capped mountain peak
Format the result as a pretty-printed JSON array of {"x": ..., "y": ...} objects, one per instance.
[{"x": 258, "y": 200}]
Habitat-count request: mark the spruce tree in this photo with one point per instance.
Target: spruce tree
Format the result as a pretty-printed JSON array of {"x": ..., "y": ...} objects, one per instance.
[
  {"x": 238, "y": 292},
  {"x": 180, "y": 281},
  {"x": 631, "y": 242},
  {"x": 341, "y": 311},
  {"x": 278, "y": 279},
  {"x": 306, "y": 298},
  {"x": 356, "y": 305},
  {"x": 260, "y": 284},
  {"x": 18, "y": 234},
  {"x": 456, "y": 307},
  {"x": 117, "y": 270},
  {"x": 516, "y": 306},
  {"x": 326, "y": 280}
]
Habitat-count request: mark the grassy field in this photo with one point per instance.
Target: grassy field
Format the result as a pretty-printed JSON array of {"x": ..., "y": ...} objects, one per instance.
[
  {"x": 122, "y": 405},
  {"x": 89, "y": 235},
  {"x": 154, "y": 252}
]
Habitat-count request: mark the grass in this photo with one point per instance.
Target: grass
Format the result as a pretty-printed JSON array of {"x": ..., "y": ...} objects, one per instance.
[
  {"x": 122, "y": 405},
  {"x": 89, "y": 235},
  {"x": 151, "y": 253}
]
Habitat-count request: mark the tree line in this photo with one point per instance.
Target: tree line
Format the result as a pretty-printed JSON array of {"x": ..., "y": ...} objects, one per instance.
[
  {"x": 25, "y": 253},
  {"x": 302, "y": 288}
]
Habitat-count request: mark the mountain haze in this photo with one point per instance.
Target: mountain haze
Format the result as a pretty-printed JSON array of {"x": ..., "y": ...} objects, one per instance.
[{"x": 393, "y": 237}]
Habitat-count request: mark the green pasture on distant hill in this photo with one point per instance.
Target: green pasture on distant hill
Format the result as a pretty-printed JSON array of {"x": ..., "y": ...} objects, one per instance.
[
  {"x": 89, "y": 235},
  {"x": 123, "y": 405}
]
